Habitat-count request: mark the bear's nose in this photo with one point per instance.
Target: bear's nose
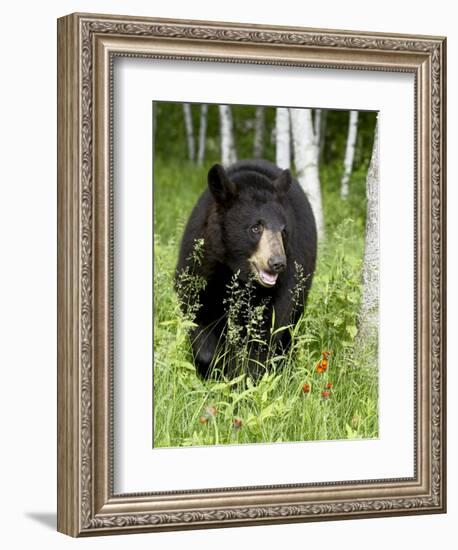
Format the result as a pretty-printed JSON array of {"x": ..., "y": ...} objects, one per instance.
[{"x": 277, "y": 263}]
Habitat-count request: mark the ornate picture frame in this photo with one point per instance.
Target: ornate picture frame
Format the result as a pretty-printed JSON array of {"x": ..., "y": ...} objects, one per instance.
[{"x": 87, "y": 46}]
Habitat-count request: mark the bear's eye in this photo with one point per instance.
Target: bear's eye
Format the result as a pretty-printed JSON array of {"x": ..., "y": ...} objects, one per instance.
[{"x": 256, "y": 228}]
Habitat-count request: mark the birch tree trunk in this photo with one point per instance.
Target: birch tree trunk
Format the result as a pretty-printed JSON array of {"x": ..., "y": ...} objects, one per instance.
[
  {"x": 202, "y": 133},
  {"x": 306, "y": 161},
  {"x": 322, "y": 134},
  {"x": 189, "y": 131},
  {"x": 283, "y": 138},
  {"x": 259, "y": 124},
  {"x": 368, "y": 321},
  {"x": 317, "y": 125},
  {"x": 349, "y": 153},
  {"x": 228, "y": 153}
]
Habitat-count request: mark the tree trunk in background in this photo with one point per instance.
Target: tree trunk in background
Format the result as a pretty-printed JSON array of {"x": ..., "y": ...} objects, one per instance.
[
  {"x": 189, "y": 131},
  {"x": 259, "y": 124},
  {"x": 368, "y": 322},
  {"x": 349, "y": 153},
  {"x": 202, "y": 133},
  {"x": 306, "y": 161},
  {"x": 322, "y": 134},
  {"x": 282, "y": 138},
  {"x": 228, "y": 153},
  {"x": 317, "y": 125}
]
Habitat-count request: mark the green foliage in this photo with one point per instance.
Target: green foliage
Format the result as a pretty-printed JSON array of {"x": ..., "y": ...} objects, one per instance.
[
  {"x": 287, "y": 404},
  {"x": 335, "y": 138},
  {"x": 170, "y": 135}
]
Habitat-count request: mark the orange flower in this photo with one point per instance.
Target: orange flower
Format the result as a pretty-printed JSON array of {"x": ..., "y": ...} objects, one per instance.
[
  {"x": 203, "y": 419},
  {"x": 237, "y": 423},
  {"x": 306, "y": 388},
  {"x": 329, "y": 386},
  {"x": 322, "y": 364},
  {"x": 325, "y": 394}
]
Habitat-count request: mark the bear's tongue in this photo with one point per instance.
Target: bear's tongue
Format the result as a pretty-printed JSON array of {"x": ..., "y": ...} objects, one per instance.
[{"x": 268, "y": 278}]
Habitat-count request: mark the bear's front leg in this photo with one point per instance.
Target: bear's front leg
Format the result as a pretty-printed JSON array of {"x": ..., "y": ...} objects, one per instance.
[
  {"x": 256, "y": 364},
  {"x": 204, "y": 342}
]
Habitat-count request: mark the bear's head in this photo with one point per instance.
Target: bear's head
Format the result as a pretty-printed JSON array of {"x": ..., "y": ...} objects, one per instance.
[{"x": 253, "y": 222}]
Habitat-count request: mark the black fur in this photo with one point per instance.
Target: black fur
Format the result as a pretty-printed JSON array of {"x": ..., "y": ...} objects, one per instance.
[{"x": 235, "y": 199}]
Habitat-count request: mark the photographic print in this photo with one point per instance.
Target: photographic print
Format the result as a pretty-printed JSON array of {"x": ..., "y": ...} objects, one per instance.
[
  {"x": 265, "y": 274},
  {"x": 242, "y": 281}
]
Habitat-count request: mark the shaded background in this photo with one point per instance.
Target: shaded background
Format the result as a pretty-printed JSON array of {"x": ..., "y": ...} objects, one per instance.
[
  {"x": 174, "y": 199},
  {"x": 170, "y": 133}
]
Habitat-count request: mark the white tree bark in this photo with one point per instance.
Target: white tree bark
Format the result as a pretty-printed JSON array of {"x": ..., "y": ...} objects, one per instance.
[
  {"x": 349, "y": 153},
  {"x": 368, "y": 322},
  {"x": 322, "y": 134},
  {"x": 202, "y": 133},
  {"x": 189, "y": 131},
  {"x": 283, "y": 138},
  {"x": 258, "y": 142},
  {"x": 317, "y": 125},
  {"x": 306, "y": 162},
  {"x": 228, "y": 153}
]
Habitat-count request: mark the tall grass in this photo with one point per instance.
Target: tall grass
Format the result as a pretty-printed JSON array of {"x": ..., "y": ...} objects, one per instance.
[{"x": 292, "y": 401}]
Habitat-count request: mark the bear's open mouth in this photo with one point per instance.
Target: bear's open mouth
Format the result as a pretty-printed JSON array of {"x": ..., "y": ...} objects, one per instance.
[{"x": 265, "y": 278}]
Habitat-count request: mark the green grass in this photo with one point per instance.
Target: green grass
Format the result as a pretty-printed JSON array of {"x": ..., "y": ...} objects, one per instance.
[{"x": 189, "y": 411}]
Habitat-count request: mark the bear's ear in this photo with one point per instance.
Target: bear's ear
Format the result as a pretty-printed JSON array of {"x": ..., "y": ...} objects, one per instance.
[
  {"x": 283, "y": 182},
  {"x": 222, "y": 188}
]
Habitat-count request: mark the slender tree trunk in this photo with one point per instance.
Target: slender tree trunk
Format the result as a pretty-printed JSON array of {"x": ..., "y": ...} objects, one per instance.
[
  {"x": 228, "y": 153},
  {"x": 368, "y": 321},
  {"x": 283, "y": 138},
  {"x": 259, "y": 124},
  {"x": 317, "y": 124},
  {"x": 202, "y": 133},
  {"x": 349, "y": 153},
  {"x": 322, "y": 134},
  {"x": 306, "y": 161},
  {"x": 189, "y": 131}
]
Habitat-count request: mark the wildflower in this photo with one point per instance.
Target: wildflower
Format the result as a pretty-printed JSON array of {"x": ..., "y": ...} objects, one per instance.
[
  {"x": 325, "y": 394},
  {"x": 323, "y": 363},
  {"x": 237, "y": 423},
  {"x": 190, "y": 283},
  {"x": 329, "y": 386},
  {"x": 306, "y": 388},
  {"x": 297, "y": 292},
  {"x": 321, "y": 367},
  {"x": 210, "y": 411}
]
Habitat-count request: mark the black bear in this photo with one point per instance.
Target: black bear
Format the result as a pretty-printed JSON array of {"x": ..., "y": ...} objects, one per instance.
[{"x": 255, "y": 224}]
